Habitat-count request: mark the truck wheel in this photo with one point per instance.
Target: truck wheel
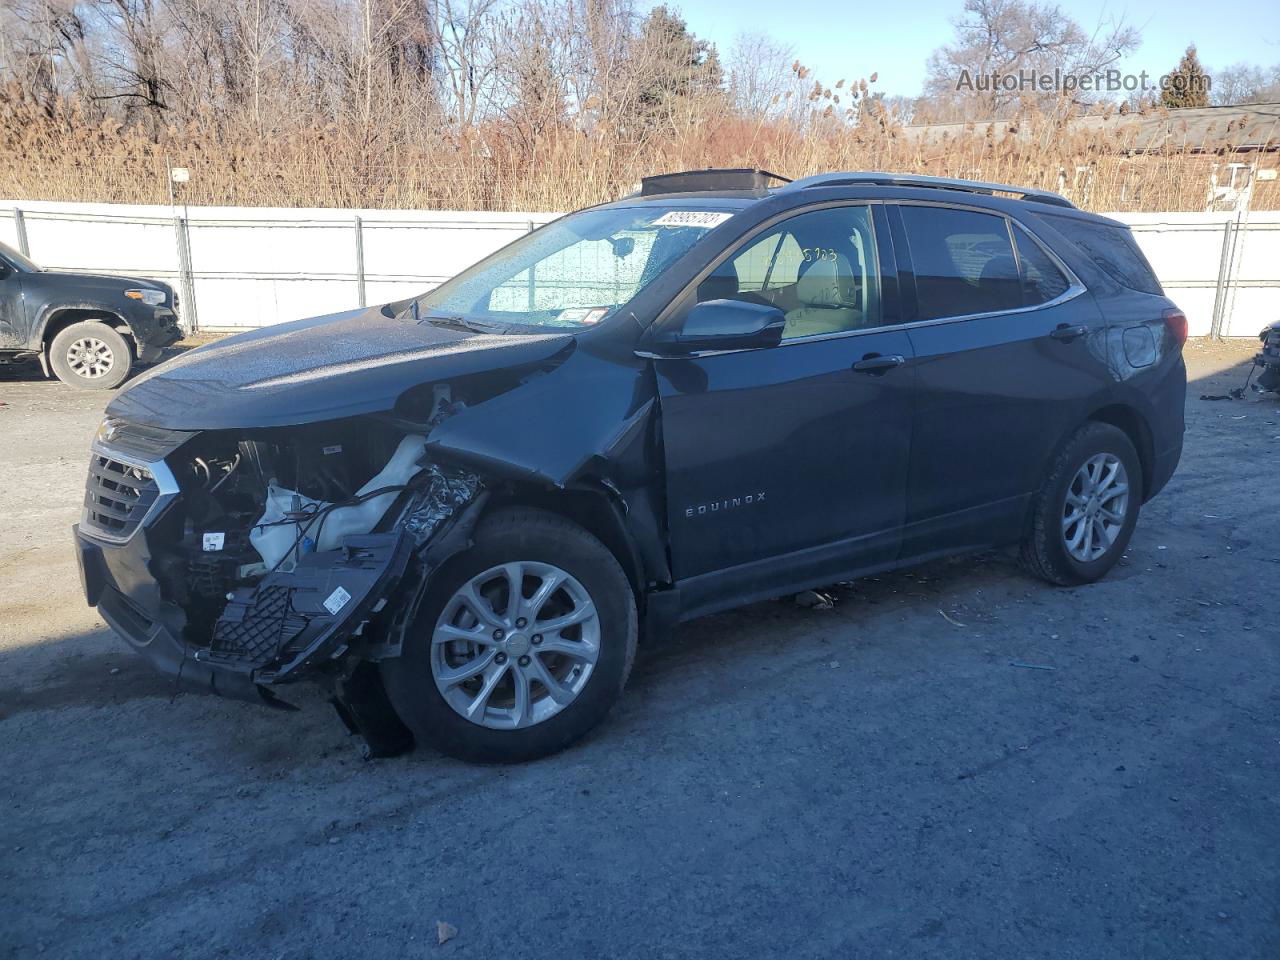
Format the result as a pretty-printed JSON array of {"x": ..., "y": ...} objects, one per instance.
[
  {"x": 521, "y": 645},
  {"x": 90, "y": 354},
  {"x": 1086, "y": 509}
]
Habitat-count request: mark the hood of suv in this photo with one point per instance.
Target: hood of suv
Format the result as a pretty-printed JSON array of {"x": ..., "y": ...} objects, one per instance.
[{"x": 323, "y": 368}]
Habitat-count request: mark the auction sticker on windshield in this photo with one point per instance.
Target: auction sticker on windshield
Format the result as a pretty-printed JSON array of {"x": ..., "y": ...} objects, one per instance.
[
  {"x": 705, "y": 219},
  {"x": 582, "y": 315}
]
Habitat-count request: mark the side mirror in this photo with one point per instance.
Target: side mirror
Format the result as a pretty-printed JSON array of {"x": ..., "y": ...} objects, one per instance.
[{"x": 722, "y": 325}]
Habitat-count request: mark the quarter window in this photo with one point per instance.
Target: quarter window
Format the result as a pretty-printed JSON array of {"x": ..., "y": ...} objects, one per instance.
[
  {"x": 819, "y": 268},
  {"x": 1112, "y": 248},
  {"x": 963, "y": 262}
]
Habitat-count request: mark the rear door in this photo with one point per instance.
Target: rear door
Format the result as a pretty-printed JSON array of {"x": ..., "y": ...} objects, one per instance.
[
  {"x": 1010, "y": 353},
  {"x": 795, "y": 453}
]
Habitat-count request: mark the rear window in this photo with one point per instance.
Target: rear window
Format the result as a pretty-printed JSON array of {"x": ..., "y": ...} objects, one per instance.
[{"x": 1114, "y": 251}]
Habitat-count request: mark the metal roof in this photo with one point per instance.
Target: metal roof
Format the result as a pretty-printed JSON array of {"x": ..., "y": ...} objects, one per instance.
[
  {"x": 1244, "y": 127},
  {"x": 919, "y": 180}
]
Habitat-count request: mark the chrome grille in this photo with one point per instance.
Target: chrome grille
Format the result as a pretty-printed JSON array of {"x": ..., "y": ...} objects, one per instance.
[{"x": 118, "y": 496}]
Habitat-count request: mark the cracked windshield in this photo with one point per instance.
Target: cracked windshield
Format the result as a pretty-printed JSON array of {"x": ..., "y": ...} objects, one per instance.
[{"x": 572, "y": 273}]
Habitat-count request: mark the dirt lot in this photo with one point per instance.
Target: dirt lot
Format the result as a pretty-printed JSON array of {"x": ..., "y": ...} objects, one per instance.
[{"x": 874, "y": 780}]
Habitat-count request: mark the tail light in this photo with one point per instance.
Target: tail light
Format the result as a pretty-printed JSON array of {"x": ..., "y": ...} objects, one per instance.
[{"x": 1175, "y": 321}]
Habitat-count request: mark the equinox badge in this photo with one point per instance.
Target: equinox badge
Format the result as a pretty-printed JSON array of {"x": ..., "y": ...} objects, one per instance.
[{"x": 715, "y": 506}]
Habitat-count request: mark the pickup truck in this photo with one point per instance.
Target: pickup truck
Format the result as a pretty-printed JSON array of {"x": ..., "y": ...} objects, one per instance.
[{"x": 86, "y": 329}]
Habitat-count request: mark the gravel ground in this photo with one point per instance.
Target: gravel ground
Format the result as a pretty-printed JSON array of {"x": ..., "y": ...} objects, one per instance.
[{"x": 873, "y": 780}]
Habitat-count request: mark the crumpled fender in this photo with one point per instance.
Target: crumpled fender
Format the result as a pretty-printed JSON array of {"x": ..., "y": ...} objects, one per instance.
[
  {"x": 550, "y": 429},
  {"x": 589, "y": 425}
]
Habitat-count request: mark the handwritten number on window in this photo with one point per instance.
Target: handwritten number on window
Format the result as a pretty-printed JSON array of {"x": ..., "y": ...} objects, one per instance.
[{"x": 812, "y": 254}]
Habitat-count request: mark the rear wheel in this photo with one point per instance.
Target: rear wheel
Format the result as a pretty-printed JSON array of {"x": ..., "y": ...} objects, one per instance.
[
  {"x": 90, "y": 354},
  {"x": 1086, "y": 509},
  {"x": 522, "y": 643}
]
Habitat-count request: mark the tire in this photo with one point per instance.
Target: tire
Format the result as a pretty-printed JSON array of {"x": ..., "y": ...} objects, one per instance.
[
  {"x": 1062, "y": 552},
  {"x": 539, "y": 546},
  {"x": 90, "y": 354}
]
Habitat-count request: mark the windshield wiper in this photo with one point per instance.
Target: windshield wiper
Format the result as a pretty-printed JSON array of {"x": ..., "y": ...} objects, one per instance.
[
  {"x": 445, "y": 320},
  {"x": 455, "y": 320}
]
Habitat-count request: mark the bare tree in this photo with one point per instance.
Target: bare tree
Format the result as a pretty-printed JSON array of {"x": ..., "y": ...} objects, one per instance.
[
  {"x": 467, "y": 45},
  {"x": 760, "y": 74},
  {"x": 531, "y": 76},
  {"x": 42, "y": 48},
  {"x": 1000, "y": 38},
  {"x": 1245, "y": 83},
  {"x": 133, "y": 56}
]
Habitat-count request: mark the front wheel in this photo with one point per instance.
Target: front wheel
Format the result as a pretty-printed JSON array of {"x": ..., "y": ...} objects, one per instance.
[
  {"x": 90, "y": 354},
  {"x": 521, "y": 645},
  {"x": 1086, "y": 509}
]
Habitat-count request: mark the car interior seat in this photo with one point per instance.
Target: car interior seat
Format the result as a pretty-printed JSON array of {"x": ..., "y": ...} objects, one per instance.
[
  {"x": 998, "y": 285},
  {"x": 827, "y": 292},
  {"x": 720, "y": 285}
]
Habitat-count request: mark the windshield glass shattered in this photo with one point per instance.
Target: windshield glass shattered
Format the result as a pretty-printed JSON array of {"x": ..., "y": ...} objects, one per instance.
[{"x": 572, "y": 273}]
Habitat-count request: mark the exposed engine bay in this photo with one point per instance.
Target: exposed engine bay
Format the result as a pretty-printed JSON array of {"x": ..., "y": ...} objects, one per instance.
[{"x": 289, "y": 548}]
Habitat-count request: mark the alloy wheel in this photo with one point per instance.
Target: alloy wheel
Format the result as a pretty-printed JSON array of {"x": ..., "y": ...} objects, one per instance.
[
  {"x": 90, "y": 358},
  {"x": 1096, "y": 506},
  {"x": 515, "y": 645}
]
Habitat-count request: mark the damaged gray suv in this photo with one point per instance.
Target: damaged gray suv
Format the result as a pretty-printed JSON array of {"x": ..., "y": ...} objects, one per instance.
[{"x": 463, "y": 511}]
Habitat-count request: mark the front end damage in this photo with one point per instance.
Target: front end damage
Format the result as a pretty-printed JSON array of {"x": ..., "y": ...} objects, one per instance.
[
  {"x": 274, "y": 507},
  {"x": 238, "y": 562}
]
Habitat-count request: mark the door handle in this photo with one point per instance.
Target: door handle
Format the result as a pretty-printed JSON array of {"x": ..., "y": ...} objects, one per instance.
[
  {"x": 1066, "y": 333},
  {"x": 878, "y": 365}
]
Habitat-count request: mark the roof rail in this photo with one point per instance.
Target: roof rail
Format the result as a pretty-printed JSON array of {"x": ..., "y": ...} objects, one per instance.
[
  {"x": 692, "y": 181},
  {"x": 918, "y": 180}
]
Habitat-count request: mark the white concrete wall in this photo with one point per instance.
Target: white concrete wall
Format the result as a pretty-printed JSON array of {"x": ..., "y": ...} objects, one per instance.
[{"x": 254, "y": 266}]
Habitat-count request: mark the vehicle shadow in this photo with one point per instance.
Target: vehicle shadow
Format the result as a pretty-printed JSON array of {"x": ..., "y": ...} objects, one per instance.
[{"x": 113, "y": 676}]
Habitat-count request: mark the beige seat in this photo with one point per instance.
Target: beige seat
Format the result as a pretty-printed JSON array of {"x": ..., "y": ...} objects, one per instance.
[{"x": 828, "y": 298}]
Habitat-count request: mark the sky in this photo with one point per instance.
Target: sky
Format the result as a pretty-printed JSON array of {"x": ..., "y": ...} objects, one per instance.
[{"x": 841, "y": 40}]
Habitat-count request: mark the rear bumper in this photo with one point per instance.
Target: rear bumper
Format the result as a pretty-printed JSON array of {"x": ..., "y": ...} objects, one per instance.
[
  {"x": 1163, "y": 467},
  {"x": 150, "y": 638}
]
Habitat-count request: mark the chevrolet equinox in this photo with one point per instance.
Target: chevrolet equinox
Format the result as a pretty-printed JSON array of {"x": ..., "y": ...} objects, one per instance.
[{"x": 461, "y": 512}]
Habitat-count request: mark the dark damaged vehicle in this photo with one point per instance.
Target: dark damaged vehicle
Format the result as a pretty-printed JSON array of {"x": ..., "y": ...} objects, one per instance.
[
  {"x": 86, "y": 329},
  {"x": 1268, "y": 359},
  {"x": 462, "y": 512}
]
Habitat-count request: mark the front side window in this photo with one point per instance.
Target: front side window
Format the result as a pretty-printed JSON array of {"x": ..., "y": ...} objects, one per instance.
[
  {"x": 963, "y": 262},
  {"x": 572, "y": 273},
  {"x": 819, "y": 268}
]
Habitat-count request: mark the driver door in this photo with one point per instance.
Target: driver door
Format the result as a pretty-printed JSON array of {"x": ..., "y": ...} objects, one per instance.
[
  {"x": 786, "y": 465},
  {"x": 13, "y": 332}
]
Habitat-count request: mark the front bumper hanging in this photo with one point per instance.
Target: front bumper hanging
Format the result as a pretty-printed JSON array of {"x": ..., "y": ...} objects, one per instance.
[
  {"x": 283, "y": 625},
  {"x": 151, "y": 638}
]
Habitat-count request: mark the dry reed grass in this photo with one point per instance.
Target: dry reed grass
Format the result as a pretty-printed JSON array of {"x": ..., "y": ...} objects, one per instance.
[{"x": 64, "y": 155}]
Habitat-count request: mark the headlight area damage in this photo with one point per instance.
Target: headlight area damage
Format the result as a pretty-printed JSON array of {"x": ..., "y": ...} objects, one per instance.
[
  {"x": 302, "y": 552},
  {"x": 245, "y": 534}
]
